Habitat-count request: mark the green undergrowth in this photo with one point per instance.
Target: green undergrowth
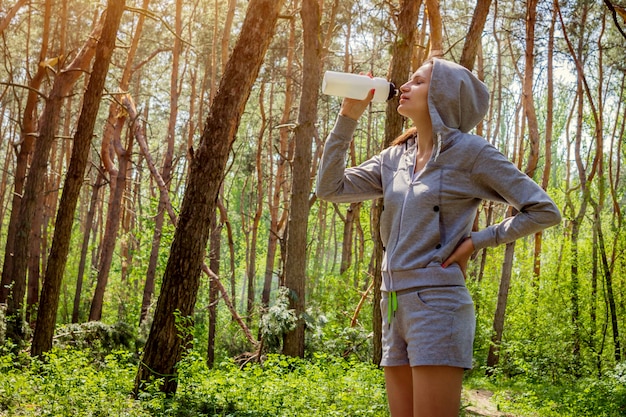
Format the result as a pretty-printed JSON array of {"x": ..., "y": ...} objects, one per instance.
[
  {"x": 281, "y": 386},
  {"x": 75, "y": 382},
  {"x": 582, "y": 397},
  {"x": 68, "y": 382}
]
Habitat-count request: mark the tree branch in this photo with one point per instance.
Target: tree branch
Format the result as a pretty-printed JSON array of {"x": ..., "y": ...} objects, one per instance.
[
  {"x": 615, "y": 10},
  {"x": 130, "y": 107}
]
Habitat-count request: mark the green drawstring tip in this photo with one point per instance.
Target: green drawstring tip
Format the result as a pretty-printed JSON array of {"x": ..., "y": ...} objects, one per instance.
[{"x": 392, "y": 306}]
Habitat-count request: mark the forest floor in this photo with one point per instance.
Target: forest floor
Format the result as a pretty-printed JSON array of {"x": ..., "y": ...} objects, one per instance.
[{"x": 480, "y": 404}]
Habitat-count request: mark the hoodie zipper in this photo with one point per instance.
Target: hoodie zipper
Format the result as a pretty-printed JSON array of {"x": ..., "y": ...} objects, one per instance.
[
  {"x": 392, "y": 302},
  {"x": 392, "y": 305}
]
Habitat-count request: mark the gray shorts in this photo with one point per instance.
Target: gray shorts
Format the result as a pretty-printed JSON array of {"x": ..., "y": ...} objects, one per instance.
[{"x": 431, "y": 326}]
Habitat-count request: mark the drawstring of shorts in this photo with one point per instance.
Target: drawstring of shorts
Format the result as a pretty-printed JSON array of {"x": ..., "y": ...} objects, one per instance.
[{"x": 392, "y": 306}]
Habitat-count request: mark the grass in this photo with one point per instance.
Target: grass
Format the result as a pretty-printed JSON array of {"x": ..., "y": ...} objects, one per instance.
[
  {"x": 73, "y": 382},
  {"x": 81, "y": 382}
]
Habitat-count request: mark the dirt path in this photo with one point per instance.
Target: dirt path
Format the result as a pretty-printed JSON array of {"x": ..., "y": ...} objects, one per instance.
[{"x": 480, "y": 404}]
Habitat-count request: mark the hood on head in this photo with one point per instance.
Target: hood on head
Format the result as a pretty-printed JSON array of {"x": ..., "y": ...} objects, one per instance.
[{"x": 457, "y": 100}]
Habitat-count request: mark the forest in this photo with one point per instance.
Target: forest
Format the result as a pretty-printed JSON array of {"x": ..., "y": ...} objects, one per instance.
[{"x": 162, "y": 248}]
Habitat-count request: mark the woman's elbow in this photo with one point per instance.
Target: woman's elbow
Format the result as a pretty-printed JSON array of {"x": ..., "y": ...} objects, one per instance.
[
  {"x": 553, "y": 216},
  {"x": 324, "y": 193},
  {"x": 557, "y": 217}
]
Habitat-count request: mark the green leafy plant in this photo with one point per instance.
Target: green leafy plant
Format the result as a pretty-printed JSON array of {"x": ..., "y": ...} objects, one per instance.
[{"x": 278, "y": 320}]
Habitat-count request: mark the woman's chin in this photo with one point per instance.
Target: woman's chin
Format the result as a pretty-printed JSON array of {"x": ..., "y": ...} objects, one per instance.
[{"x": 402, "y": 111}]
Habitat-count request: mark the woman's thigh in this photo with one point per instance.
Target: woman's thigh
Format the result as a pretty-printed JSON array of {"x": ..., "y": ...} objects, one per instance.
[
  {"x": 436, "y": 391},
  {"x": 424, "y": 391}
]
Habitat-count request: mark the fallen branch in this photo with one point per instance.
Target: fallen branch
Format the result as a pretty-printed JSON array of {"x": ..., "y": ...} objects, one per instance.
[{"x": 361, "y": 302}]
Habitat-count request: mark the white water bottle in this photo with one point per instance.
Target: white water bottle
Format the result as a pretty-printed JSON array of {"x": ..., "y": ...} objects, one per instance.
[{"x": 357, "y": 86}]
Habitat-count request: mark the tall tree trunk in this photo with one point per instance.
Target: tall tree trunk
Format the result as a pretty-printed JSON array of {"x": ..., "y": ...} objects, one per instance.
[
  {"x": 228, "y": 24},
  {"x": 32, "y": 189},
  {"x": 34, "y": 262},
  {"x": 295, "y": 258},
  {"x": 8, "y": 157},
  {"x": 545, "y": 178},
  {"x": 214, "y": 265},
  {"x": 46, "y": 317},
  {"x": 474, "y": 35},
  {"x": 231, "y": 243},
  {"x": 278, "y": 185},
  {"x": 164, "y": 347},
  {"x": 585, "y": 175},
  {"x": 436, "y": 28},
  {"x": 139, "y": 134},
  {"x": 28, "y": 134},
  {"x": 576, "y": 225},
  {"x": 401, "y": 65},
  {"x": 88, "y": 226},
  {"x": 47, "y": 206},
  {"x": 575, "y": 285},
  {"x": 111, "y": 145},
  {"x": 527, "y": 89},
  {"x": 166, "y": 170},
  {"x": 114, "y": 213},
  {"x": 258, "y": 209},
  {"x": 533, "y": 133},
  {"x": 608, "y": 279},
  {"x": 493, "y": 357},
  {"x": 348, "y": 235}
]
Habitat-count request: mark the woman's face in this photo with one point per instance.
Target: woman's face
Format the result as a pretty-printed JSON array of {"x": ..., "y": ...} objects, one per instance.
[{"x": 414, "y": 93}]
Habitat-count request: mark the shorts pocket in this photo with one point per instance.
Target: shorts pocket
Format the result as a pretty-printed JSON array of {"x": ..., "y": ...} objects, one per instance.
[{"x": 445, "y": 300}]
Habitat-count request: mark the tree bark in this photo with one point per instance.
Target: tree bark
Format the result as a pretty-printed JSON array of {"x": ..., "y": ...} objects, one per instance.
[
  {"x": 493, "y": 357},
  {"x": 585, "y": 175},
  {"x": 34, "y": 262},
  {"x": 114, "y": 210},
  {"x": 348, "y": 235},
  {"x": 401, "y": 65},
  {"x": 436, "y": 28},
  {"x": 111, "y": 145},
  {"x": 545, "y": 178},
  {"x": 278, "y": 184},
  {"x": 608, "y": 279},
  {"x": 166, "y": 170},
  {"x": 533, "y": 133},
  {"x": 163, "y": 348},
  {"x": 257, "y": 209},
  {"x": 474, "y": 35},
  {"x": 46, "y": 317},
  {"x": 295, "y": 257},
  {"x": 28, "y": 134},
  {"x": 48, "y": 123},
  {"x": 88, "y": 226},
  {"x": 214, "y": 265},
  {"x": 527, "y": 89}
]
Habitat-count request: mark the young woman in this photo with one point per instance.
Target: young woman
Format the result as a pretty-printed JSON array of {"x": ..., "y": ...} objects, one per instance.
[{"x": 432, "y": 180}]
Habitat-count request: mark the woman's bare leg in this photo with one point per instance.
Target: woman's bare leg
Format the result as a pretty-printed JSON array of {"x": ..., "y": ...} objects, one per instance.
[
  {"x": 437, "y": 391},
  {"x": 399, "y": 384}
]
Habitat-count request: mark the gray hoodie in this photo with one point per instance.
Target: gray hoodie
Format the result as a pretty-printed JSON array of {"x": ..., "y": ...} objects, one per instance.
[{"x": 426, "y": 216}]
